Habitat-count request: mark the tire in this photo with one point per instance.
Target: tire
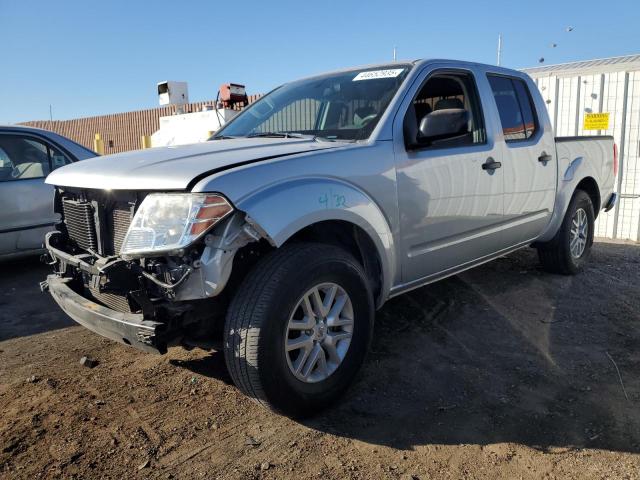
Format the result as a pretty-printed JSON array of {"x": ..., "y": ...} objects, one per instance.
[
  {"x": 267, "y": 303},
  {"x": 556, "y": 256}
]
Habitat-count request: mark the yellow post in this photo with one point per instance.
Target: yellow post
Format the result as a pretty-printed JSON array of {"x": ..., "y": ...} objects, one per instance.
[
  {"x": 145, "y": 141},
  {"x": 98, "y": 144}
]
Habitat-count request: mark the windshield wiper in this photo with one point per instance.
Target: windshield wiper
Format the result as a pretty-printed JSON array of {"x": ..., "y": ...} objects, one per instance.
[
  {"x": 222, "y": 137},
  {"x": 280, "y": 135}
]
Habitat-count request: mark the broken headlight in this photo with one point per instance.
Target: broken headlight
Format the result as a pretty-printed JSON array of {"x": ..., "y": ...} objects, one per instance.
[{"x": 167, "y": 222}]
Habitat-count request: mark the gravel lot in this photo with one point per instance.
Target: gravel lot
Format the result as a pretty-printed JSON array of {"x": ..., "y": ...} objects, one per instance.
[{"x": 502, "y": 372}]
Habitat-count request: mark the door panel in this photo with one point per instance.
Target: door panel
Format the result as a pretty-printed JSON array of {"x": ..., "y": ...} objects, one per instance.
[
  {"x": 530, "y": 189},
  {"x": 529, "y": 161},
  {"x": 27, "y": 213},
  {"x": 27, "y": 202},
  {"x": 451, "y": 208}
]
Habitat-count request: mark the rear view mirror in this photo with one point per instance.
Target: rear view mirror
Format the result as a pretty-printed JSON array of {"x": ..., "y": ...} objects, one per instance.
[{"x": 441, "y": 124}]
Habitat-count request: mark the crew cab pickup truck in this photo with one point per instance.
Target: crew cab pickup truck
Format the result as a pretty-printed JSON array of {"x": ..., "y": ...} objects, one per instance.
[{"x": 278, "y": 238}]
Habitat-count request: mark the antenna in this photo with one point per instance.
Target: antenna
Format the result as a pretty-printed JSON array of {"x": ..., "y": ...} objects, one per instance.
[
  {"x": 50, "y": 113},
  {"x": 394, "y": 53},
  {"x": 499, "y": 48}
]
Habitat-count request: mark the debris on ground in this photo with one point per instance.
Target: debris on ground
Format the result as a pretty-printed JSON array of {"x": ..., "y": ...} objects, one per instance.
[
  {"x": 88, "y": 362},
  {"x": 252, "y": 442}
]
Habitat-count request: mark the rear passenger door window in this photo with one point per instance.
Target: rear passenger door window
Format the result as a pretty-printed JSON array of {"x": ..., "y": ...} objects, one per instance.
[{"x": 515, "y": 107}]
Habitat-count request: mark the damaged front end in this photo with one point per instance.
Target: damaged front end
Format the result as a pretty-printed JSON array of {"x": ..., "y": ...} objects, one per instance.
[{"x": 145, "y": 269}]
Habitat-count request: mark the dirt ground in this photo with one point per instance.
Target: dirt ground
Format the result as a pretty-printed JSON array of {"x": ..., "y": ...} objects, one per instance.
[{"x": 503, "y": 372}]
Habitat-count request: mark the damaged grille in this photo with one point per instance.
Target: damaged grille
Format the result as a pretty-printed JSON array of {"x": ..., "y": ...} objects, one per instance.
[
  {"x": 97, "y": 223},
  {"x": 78, "y": 217}
]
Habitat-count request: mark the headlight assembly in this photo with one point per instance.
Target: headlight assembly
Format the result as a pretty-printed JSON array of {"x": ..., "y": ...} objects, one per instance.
[{"x": 167, "y": 222}]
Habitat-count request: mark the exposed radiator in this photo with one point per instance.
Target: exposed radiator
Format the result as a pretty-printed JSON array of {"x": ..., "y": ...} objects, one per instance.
[
  {"x": 115, "y": 219},
  {"x": 78, "y": 217},
  {"x": 120, "y": 221},
  {"x": 113, "y": 301}
]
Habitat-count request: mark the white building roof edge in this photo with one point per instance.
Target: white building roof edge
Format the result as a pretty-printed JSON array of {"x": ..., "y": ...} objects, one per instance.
[{"x": 601, "y": 65}]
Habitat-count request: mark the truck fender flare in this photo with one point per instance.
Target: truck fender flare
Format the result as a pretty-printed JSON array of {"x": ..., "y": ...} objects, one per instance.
[
  {"x": 281, "y": 210},
  {"x": 576, "y": 171}
]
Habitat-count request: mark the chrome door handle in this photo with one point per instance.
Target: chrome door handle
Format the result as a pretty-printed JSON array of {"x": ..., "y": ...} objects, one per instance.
[
  {"x": 491, "y": 164},
  {"x": 544, "y": 158}
]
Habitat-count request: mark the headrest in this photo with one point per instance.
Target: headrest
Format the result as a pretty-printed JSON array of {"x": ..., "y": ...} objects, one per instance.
[{"x": 449, "y": 103}]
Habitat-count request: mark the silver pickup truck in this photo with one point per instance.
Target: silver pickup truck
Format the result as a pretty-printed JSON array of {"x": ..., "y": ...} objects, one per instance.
[{"x": 279, "y": 238}]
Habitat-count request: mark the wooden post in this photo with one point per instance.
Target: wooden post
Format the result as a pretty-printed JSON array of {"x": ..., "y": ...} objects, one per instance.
[
  {"x": 98, "y": 144},
  {"x": 145, "y": 141}
]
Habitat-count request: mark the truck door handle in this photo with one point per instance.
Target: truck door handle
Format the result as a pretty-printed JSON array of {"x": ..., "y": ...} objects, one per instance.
[
  {"x": 544, "y": 158},
  {"x": 491, "y": 164}
]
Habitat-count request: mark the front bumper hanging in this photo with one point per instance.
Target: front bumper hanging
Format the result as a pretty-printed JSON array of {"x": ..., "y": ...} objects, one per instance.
[{"x": 127, "y": 328}]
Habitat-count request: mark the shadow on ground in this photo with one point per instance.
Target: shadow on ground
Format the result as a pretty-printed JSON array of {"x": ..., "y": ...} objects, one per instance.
[
  {"x": 502, "y": 353},
  {"x": 24, "y": 310}
]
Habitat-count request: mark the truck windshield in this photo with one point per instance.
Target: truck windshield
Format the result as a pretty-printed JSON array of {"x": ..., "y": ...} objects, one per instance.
[{"x": 338, "y": 106}]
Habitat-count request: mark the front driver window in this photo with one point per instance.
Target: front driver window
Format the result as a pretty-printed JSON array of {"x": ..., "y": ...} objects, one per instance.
[{"x": 442, "y": 93}]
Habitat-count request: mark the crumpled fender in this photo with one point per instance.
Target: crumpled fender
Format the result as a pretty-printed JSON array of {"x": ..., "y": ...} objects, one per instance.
[{"x": 279, "y": 211}]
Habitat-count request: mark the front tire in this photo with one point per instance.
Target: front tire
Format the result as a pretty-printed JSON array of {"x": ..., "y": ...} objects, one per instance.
[
  {"x": 298, "y": 328},
  {"x": 569, "y": 250}
]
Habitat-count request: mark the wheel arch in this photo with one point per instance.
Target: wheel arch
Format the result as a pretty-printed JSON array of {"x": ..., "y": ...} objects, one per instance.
[
  {"x": 566, "y": 191},
  {"x": 352, "y": 238},
  {"x": 331, "y": 211},
  {"x": 590, "y": 187}
]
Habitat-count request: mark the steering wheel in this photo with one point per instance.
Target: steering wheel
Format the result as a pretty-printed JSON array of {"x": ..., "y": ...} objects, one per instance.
[
  {"x": 17, "y": 171},
  {"x": 367, "y": 119}
]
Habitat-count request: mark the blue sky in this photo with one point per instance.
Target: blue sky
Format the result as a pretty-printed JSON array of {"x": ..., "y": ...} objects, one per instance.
[{"x": 90, "y": 58}]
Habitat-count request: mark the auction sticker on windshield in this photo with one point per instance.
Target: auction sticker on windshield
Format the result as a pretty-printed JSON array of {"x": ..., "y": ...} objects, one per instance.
[{"x": 373, "y": 74}]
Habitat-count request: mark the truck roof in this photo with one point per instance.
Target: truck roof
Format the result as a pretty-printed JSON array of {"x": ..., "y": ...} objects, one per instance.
[{"x": 418, "y": 62}]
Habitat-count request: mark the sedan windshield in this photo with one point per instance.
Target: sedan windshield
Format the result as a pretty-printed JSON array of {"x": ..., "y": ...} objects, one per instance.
[{"x": 339, "y": 106}]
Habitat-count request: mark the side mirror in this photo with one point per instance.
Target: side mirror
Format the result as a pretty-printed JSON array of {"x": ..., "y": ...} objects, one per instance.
[{"x": 441, "y": 124}]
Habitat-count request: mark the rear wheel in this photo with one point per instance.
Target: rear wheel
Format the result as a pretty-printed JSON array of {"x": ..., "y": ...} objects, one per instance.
[
  {"x": 567, "y": 252},
  {"x": 298, "y": 328}
]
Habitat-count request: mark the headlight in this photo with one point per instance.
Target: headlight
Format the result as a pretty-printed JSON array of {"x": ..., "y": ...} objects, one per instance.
[{"x": 167, "y": 222}]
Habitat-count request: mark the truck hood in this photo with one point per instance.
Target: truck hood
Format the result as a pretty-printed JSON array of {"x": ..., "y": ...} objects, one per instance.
[{"x": 174, "y": 168}]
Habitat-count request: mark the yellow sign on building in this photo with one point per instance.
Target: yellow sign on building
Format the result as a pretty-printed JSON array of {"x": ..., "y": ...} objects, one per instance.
[{"x": 596, "y": 121}]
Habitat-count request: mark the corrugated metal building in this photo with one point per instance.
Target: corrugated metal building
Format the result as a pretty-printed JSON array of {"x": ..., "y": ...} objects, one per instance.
[{"x": 573, "y": 93}]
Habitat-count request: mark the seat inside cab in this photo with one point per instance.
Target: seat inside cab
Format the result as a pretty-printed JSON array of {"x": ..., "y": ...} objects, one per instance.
[{"x": 446, "y": 92}]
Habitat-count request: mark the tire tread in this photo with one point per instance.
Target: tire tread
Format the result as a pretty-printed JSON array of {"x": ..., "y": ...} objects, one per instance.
[
  {"x": 554, "y": 255},
  {"x": 248, "y": 309}
]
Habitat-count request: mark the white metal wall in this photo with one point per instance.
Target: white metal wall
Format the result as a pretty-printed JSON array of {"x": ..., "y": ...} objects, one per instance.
[{"x": 568, "y": 98}]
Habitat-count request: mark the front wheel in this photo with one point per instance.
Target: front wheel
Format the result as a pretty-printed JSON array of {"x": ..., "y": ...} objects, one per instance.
[
  {"x": 568, "y": 251},
  {"x": 299, "y": 327}
]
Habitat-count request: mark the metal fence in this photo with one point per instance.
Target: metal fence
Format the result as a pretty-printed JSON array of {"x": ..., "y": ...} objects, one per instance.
[{"x": 612, "y": 86}]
